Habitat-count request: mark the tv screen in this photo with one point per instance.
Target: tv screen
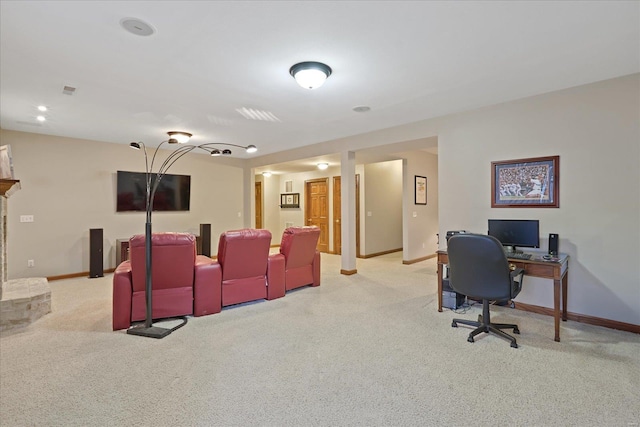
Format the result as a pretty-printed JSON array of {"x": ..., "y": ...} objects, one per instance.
[
  {"x": 172, "y": 194},
  {"x": 516, "y": 232}
]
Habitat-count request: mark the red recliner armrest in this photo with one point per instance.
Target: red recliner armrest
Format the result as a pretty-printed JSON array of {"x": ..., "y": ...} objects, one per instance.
[
  {"x": 315, "y": 266},
  {"x": 122, "y": 292},
  {"x": 207, "y": 287},
  {"x": 275, "y": 276}
]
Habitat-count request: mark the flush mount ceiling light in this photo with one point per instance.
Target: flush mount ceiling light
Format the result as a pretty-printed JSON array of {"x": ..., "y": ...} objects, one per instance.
[
  {"x": 323, "y": 166},
  {"x": 179, "y": 137},
  {"x": 42, "y": 108},
  {"x": 266, "y": 174},
  {"x": 310, "y": 75}
]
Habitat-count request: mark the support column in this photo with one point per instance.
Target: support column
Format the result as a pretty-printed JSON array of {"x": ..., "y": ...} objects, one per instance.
[{"x": 348, "y": 212}]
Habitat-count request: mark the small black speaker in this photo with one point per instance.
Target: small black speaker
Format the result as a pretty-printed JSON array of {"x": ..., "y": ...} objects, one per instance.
[
  {"x": 205, "y": 239},
  {"x": 553, "y": 244},
  {"x": 95, "y": 253}
]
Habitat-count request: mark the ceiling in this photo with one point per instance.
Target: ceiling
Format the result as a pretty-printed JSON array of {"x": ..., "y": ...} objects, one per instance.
[{"x": 407, "y": 61}]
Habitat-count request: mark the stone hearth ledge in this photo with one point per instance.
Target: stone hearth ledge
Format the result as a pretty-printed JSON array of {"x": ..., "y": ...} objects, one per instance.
[{"x": 24, "y": 301}]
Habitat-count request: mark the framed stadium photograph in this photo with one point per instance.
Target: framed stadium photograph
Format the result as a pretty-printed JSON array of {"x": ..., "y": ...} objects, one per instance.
[{"x": 526, "y": 183}]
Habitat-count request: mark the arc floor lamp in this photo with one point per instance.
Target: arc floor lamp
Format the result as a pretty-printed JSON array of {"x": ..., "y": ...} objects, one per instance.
[{"x": 152, "y": 180}]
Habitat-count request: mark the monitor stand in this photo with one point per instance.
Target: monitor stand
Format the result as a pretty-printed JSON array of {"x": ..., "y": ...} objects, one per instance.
[{"x": 511, "y": 250}]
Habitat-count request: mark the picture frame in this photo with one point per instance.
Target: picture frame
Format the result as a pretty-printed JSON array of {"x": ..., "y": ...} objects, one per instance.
[
  {"x": 288, "y": 186},
  {"x": 290, "y": 200},
  {"x": 526, "y": 183},
  {"x": 420, "y": 186}
]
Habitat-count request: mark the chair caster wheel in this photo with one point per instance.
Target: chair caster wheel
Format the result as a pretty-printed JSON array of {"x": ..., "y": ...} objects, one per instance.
[
  {"x": 479, "y": 318},
  {"x": 516, "y": 331},
  {"x": 470, "y": 339},
  {"x": 512, "y": 305},
  {"x": 514, "y": 345},
  {"x": 454, "y": 325}
]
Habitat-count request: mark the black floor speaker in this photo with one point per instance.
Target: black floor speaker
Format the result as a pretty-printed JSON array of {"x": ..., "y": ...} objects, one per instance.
[
  {"x": 553, "y": 244},
  {"x": 96, "y": 268},
  {"x": 205, "y": 239}
]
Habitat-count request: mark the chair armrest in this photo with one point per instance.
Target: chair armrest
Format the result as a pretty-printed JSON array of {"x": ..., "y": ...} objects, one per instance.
[
  {"x": 275, "y": 276},
  {"x": 517, "y": 276},
  {"x": 207, "y": 286},
  {"x": 316, "y": 269},
  {"x": 122, "y": 293}
]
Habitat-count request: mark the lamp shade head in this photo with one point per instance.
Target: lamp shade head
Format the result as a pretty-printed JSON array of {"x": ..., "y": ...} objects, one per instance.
[
  {"x": 215, "y": 152},
  {"x": 251, "y": 149},
  {"x": 226, "y": 152},
  {"x": 135, "y": 145},
  {"x": 310, "y": 75},
  {"x": 179, "y": 137}
]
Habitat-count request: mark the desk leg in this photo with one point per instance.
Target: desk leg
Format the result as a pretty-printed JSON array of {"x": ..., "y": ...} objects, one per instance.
[
  {"x": 556, "y": 308},
  {"x": 565, "y": 280},
  {"x": 440, "y": 287}
]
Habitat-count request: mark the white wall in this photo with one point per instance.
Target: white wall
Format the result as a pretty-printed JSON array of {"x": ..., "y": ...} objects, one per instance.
[
  {"x": 594, "y": 129},
  {"x": 421, "y": 222},
  {"x": 69, "y": 186},
  {"x": 382, "y": 207}
]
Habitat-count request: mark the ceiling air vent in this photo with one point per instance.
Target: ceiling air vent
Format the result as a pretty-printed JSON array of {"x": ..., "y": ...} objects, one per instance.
[
  {"x": 251, "y": 114},
  {"x": 68, "y": 90}
]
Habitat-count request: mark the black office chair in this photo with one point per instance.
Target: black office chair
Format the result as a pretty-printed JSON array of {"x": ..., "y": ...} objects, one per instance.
[{"x": 478, "y": 268}]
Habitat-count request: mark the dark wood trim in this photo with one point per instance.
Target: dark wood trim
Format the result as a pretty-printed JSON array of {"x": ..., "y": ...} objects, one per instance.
[
  {"x": 6, "y": 184},
  {"x": 424, "y": 258},
  {"x": 590, "y": 320},
  {"x": 381, "y": 253},
  {"x": 74, "y": 275},
  {"x": 348, "y": 272}
]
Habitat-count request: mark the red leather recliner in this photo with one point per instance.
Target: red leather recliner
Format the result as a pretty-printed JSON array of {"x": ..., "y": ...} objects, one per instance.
[
  {"x": 302, "y": 259},
  {"x": 248, "y": 271},
  {"x": 183, "y": 283}
]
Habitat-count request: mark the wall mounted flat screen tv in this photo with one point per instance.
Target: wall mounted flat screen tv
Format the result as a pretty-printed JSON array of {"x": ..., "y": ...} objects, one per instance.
[
  {"x": 516, "y": 232},
  {"x": 173, "y": 193}
]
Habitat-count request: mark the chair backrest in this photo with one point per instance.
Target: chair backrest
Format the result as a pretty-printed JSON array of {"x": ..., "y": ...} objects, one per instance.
[
  {"x": 478, "y": 267},
  {"x": 243, "y": 253},
  {"x": 298, "y": 245},
  {"x": 173, "y": 257}
]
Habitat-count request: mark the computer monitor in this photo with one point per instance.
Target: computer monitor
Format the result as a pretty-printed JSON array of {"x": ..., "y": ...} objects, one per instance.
[{"x": 516, "y": 232}]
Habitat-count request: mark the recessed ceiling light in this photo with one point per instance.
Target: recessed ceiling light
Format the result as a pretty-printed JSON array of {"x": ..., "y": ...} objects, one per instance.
[
  {"x": 137, "y": 27},
  {"x": 361, "y": 109},
  {"x": 41, "y": 118},
  {"x": 42, "y": 108}
]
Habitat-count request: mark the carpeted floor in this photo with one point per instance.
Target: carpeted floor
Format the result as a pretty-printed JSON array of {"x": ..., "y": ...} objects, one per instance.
[{"x": 362, "y": 350}]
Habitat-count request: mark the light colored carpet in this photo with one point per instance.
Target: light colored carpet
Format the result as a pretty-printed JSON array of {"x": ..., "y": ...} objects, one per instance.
[{"x": 362, "y": 350}]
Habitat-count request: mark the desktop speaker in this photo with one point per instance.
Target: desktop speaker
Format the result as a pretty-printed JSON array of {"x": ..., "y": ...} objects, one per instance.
[
  {"x": 95, "y": 253},
  {"x": 205, "y": 239},
  {"x": 553, "y": 244}
]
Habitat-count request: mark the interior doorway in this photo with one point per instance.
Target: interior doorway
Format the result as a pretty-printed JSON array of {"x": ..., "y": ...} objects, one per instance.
[
  {"x": 316, "y": 209},
  {"x": 258, "y": 203}
]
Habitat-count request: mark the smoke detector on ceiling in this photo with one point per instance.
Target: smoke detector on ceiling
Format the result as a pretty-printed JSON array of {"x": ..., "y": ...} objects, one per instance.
[{"x": 137, "y": 27}]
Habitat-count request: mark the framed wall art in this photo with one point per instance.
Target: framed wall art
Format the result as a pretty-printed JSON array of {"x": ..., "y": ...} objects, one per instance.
[
  {"x": 420, "y": 190},
  {"x": 526, "y": 183},
  {"x": 290, "y": 200}
]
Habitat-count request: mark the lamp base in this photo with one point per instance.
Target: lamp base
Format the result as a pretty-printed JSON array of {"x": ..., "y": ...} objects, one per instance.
[
  {"x": 155, "y": 331},
  {"x": 151, "y": 332}
]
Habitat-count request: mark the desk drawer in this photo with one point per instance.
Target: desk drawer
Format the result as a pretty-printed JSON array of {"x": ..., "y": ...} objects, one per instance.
[{"x": 538, "y": 270}]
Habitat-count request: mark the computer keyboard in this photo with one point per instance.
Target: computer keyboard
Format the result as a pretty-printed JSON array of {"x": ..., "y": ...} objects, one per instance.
[{"x": 518, "y": 255}]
